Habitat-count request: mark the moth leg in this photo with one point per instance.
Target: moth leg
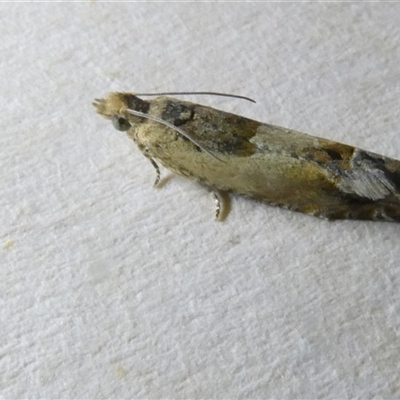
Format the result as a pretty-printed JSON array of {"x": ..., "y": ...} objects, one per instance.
[
  {"x": 157, "y": 168},
  {"x": 146, "y": 152},
  {"x": 218, "y": 202},
  {"x": 222, "y": 205}
]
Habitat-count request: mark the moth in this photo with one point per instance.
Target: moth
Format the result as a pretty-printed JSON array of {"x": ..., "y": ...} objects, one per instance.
[{"x": 231, "y": 154}]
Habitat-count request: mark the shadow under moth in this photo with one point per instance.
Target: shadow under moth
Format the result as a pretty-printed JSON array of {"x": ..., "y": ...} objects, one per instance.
[{"x": 228, "y": 153}]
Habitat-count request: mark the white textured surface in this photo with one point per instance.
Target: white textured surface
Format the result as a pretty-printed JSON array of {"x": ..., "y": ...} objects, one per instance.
[{"x": 112, "y": 289}]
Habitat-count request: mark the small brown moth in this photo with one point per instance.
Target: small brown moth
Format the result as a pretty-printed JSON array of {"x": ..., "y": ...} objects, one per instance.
[{"x": 232, "y": 154}]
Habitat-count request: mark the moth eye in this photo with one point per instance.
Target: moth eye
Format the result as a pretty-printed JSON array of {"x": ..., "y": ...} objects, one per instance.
[{"x": 120, "y": 123}]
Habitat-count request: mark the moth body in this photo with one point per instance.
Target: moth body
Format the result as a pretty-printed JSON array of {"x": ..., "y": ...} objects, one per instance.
[{"x": 230, "y": 153}]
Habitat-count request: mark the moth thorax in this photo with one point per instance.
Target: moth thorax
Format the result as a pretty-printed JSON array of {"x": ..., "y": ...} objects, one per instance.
[{"x": 137, "y": 104}]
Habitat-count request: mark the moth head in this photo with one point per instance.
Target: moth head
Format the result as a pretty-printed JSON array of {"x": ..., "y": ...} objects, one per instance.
[{"x": 115, "y": 107}]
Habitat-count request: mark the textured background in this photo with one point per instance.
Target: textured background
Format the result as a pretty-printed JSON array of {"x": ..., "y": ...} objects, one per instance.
[{"x": 111, "y": 288}]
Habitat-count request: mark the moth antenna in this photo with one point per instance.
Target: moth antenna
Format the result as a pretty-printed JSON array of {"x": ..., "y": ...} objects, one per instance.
[
  {"x": 236, "y": 96},
  {"x": 175, "y": 128}
]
